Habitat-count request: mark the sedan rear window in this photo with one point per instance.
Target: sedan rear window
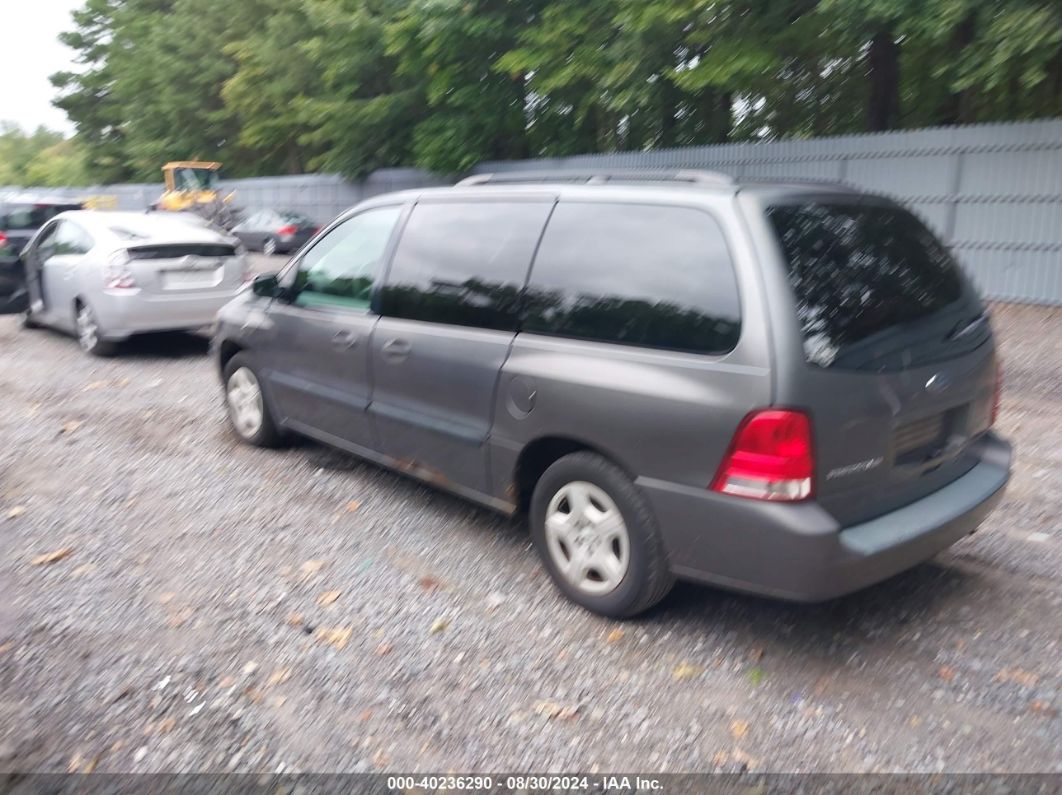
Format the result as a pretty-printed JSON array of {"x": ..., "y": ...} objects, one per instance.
[{"x": 868, "y": 280}]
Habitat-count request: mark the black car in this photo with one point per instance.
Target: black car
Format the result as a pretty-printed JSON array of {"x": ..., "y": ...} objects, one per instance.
[
  {"x": 274, "y": 231},
  {"x": 20, "y": 218}
]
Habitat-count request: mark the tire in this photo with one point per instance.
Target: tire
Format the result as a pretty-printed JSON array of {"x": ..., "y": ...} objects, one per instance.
[
  {"x": 269, "y": 247},
  {"x": 89, "y": 333},
  {"x": 240, "y": 376},
  {"x": 623, "y": 590},
  {"x": 26, "y": 318}
]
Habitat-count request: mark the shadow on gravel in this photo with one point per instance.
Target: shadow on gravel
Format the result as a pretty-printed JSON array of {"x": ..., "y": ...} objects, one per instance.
[
  {"x": 164, "y": 345},
  {"x": 882, "y": 615}
]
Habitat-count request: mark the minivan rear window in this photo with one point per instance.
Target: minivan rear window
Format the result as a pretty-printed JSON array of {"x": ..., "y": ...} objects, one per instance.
[{"x": 868, "y": 280}]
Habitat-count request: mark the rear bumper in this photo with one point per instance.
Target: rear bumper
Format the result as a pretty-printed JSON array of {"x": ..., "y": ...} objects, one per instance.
[
  {"x": 122, "y": 314},
  {"x": 800, "y": 552}
]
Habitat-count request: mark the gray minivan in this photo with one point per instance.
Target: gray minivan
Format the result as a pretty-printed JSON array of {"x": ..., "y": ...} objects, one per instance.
[{"x": 782, "y": 388}]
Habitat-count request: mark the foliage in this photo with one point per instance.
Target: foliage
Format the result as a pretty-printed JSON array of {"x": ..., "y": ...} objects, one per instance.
[
  {"x": 271, "y": 86},
  {"x": 42, "y": 158}
]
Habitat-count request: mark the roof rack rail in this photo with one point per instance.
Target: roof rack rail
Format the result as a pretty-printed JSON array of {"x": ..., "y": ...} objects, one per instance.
[
  {"x": 823, "y": 182},
  {"x": 600, "y": 176}
]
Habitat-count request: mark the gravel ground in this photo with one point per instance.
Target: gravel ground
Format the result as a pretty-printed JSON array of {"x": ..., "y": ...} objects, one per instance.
[{"x": 220, "y": 607}]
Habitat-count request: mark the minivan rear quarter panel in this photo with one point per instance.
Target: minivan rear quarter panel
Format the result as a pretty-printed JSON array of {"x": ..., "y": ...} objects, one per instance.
[{"x": 665, "y": 416}]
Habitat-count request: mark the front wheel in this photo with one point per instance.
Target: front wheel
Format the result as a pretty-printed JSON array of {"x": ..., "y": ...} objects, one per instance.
[
  {"x": 89, "y": 333},
  {"x": 597, "y": 537},
  {"x": 248, "y": 409}
]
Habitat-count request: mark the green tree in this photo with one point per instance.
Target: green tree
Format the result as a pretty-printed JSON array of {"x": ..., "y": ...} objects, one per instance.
[
  {"x": 40, "y": 158},
  {"x": 270, "y": 86},
  {"x": 473, "y": 111}
]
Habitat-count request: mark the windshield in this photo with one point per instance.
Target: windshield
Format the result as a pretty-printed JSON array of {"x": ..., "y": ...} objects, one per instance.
[
  {"x": 874, "y": 288},
  {"x": 195, "y": 178}
]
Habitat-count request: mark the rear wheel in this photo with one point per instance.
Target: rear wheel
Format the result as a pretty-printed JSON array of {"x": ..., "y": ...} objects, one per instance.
[
  {"x": 247, "y": 404},
  {"x": 597, "y": 537},
  {"x": 89, "y": 333},
  {"x": 269, "y": 246}
]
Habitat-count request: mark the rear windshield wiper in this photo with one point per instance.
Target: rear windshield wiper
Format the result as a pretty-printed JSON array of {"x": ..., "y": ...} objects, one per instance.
[{"x": 968, "y": 327}]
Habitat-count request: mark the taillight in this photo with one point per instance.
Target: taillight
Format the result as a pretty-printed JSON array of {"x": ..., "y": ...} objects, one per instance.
[
  {"x": 997, "y": 393},
  {"x": 288, "y": 230},
  {"x": 770, "y": 457},
  {"x": 3, "y": 240},
  {"x": 116, "y": 274}
]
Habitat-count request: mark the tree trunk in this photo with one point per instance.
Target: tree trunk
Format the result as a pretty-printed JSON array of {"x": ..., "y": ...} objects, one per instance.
[
  {"x": 715, "y": 116},
  {"x": 956, "y": 107},
  {"x": 884, "y": 61},
  {"x": 669, "y": 98}
]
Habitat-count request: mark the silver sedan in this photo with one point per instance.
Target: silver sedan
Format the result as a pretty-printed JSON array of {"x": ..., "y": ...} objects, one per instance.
[{"x": 105, "y": 276}]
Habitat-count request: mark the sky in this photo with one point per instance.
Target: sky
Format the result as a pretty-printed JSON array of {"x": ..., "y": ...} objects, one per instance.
[{"x": 29, "y": 54}]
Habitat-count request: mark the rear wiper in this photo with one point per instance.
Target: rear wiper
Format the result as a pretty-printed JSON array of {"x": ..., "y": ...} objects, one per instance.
[{"x": 969, "y": 327}]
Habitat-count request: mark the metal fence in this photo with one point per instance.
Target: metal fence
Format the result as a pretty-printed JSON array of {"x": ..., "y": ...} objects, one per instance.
[{"x": 992, "y": 191}]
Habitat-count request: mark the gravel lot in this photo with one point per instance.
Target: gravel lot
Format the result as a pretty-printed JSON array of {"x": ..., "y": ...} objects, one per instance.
[{"x": 226, "y": 608}]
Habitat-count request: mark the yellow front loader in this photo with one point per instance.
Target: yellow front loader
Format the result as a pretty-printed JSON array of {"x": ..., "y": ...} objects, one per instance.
[{"x": 192, "y": 186}]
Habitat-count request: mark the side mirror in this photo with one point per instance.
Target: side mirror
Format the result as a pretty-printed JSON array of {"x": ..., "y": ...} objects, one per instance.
[{"x": 266, "y": 285}]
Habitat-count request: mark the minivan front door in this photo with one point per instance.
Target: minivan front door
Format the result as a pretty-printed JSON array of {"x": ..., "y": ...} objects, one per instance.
[
  {"x": 318, "y": 370},
  {"x": 448, "y": 320}
]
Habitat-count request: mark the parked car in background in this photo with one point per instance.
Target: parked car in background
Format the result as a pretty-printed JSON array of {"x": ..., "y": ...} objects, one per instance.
[
  {"x": 781, "y": 388},
  {"x": 274, "y": 231},
  {"x": 105, "y": 276},
  {"x": 20, "y": 218}
]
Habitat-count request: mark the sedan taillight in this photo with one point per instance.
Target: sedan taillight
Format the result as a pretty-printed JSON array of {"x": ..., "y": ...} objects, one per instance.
[
  {"x": 116, "y": 273},
  {"x": 287, "y": 231}
]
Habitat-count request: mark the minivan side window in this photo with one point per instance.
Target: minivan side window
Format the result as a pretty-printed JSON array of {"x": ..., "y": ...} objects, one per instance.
[
  {"x": 646, "y": 275},
  {"x": 342, "y": 267},
  {"x": 464, "y": 263}
]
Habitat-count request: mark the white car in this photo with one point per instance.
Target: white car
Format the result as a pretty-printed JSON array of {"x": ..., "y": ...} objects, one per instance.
[{"x": 105, "y": 276}]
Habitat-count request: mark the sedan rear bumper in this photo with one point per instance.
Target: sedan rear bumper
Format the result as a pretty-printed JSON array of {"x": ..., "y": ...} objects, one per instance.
[
  {"x": 800, "y": 552},
  {"x": 127, "y": 312}
]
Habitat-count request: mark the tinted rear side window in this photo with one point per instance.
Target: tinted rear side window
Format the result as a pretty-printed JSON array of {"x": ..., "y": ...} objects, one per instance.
[
  {"x": 860, "y": 273},
  {"x": 646, "y": 275},
  {"x": 464, "y": 263}
]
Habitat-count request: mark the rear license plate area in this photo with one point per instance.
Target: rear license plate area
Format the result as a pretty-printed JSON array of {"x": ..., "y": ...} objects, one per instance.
[
  {"x": 191, "y": 279},
  {"x": 928, "y": 438}
]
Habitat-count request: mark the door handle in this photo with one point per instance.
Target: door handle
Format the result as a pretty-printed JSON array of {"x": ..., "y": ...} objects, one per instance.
[
  {"x": 345, "y": 339},
  {"x": 396, "y": 349}
]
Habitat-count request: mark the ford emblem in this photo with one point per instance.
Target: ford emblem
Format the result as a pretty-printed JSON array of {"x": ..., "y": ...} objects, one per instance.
[{"x": 938, "y": 383}]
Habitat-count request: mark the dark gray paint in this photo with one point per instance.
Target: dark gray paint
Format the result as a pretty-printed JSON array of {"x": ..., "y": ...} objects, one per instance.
[{"x": 456, "y": 406}]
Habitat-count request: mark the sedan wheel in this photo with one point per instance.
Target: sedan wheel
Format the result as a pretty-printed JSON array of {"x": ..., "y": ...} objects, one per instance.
[
  {"x": 269, "y": 247},
  {"x": 246, "y": 406},
  {"x": 587, "y": 538},
  {"x": 89, "y": 334},
  {"x": 88, "y": 331}
]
